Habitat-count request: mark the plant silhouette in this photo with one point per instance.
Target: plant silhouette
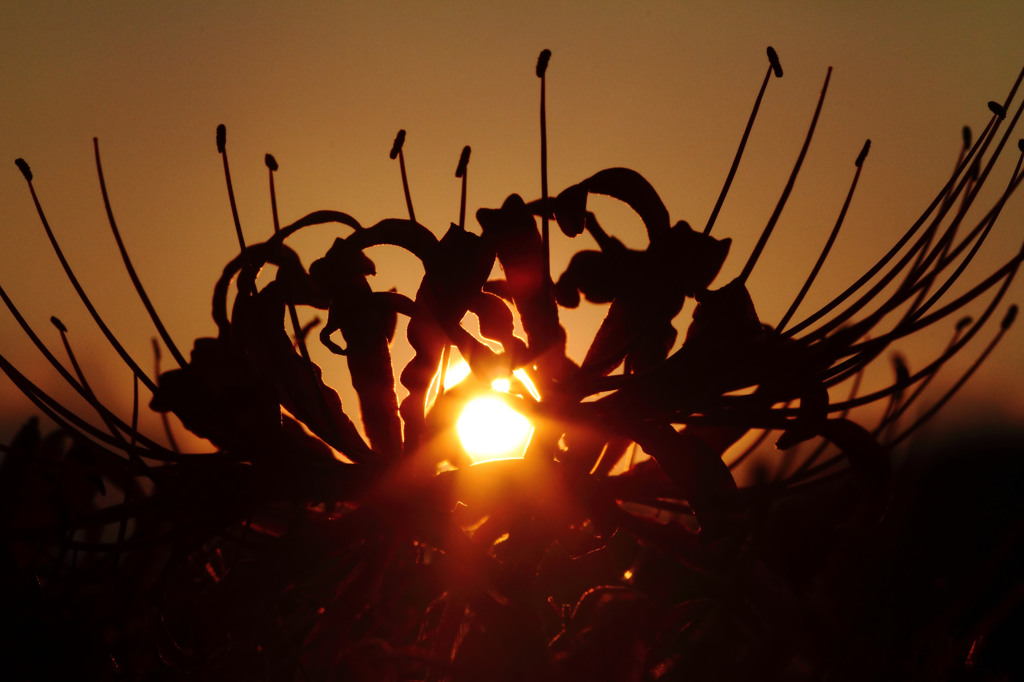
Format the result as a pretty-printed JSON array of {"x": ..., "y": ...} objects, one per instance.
[{"x": 313, "y": 544}]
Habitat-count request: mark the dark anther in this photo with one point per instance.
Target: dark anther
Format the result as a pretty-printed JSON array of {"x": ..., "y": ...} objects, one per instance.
[
  {"x": 863, "y": 153},
  {"x": 23, "y": 167},
  {"x": 1011, "y": 315},
  {"x": 542, "y": 62},
  {"x": 397, "y": 146},
  {"x": 463, "y": 162},
  {"x": 773, "y": 59}
]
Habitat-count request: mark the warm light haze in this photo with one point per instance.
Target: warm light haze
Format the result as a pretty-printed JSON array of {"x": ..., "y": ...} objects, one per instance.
[
  {"x": 488, "y": 427},
  {"x": 661, "y": 87},
  {"x": 456, "y": 340}
]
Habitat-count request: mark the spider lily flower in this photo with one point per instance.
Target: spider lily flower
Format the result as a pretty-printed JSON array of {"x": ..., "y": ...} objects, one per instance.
[{"x": 462, "y": 554}]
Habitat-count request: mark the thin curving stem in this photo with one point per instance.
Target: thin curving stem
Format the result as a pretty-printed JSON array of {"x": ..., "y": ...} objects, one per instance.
[
  {"x": 64, "y": 417},
  {"x": 88, "y": 393},
  {"x": 168, "y": 341},
  {"x": 967, "y": 164},
  {"x": 915, "y": 320},
  {"x": 989, "y": 222},
  {"x": 56, "y": 364},
  {"x": 397, "y": 152},
  {"x": 1004, "y": 275},
  {"x": 462, "y": 171},
  {"x": 915, "y": 283},
  {"x": 815, "y": 454},
  {"x": 297, "y": 329},
  {"x": 750, "y": 449},
  {"x": 937, "y": 202},
  {"x": 774, "y": 67},
  {"x": 806, "y": 472},
  {"x": 272, "y": 167},
  {"x": 125, "y": 357},
  {"x": 223, "y": 150},
  {"x": 828, "y": 243},
  {"x": 788, "y": 188},
  {"x": 164, "y": 417},
  {"x": 300, "y": 337},
  {"x": 545, "y": 231},
  {"x": 1011, "y": 315},
  {"x": 942, "y": 251},
  {"x": 924, "y": 383}
]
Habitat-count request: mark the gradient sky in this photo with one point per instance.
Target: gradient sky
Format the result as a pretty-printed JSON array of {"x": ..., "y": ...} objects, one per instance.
[{"x": 661, "y": 87}]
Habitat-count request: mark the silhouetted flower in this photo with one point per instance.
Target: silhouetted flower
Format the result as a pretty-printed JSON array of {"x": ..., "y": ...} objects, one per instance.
[{"x": 308, "y": 542}]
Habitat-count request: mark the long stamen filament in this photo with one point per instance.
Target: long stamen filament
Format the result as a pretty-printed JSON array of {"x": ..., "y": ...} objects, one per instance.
[
  {"x": 545, "y": 232},
  {"x": 125, "y": 357},
  {"x": 136, "y": 282},
  {"x": 462, "y": 171},
  {"x": 774, "y": 67},
  {"x": 397, "y": 152},
  {"x": 789, "y": 186},
  {"x": 828, "y": 243}
]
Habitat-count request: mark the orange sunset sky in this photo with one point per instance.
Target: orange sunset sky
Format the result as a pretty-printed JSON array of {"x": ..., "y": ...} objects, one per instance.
[{"x": 662, "y": 87}]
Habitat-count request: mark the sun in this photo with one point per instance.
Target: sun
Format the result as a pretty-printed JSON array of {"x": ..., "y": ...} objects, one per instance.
[{"x": 488, "y": 427}]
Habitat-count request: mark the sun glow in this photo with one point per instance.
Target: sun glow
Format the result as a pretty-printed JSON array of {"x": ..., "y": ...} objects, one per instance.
[{"x": 488, "y": 427}]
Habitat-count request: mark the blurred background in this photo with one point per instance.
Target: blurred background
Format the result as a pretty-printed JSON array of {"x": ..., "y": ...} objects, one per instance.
[{"x": 662, "y": 87}]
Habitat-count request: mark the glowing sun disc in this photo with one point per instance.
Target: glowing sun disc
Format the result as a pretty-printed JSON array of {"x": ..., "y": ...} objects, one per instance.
[{"x": 489, "y": 429}]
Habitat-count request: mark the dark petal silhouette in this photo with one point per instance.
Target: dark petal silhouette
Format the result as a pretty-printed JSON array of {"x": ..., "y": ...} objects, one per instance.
[{"x": 517, "y": 243}]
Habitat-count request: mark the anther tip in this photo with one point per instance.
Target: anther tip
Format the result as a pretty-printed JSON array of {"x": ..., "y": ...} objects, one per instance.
[
  {"x": 270, "y": 161},
  {"x": 997, "y": 109},
  {"x": 773, "y": 59},
  {"x": 899, "y": 365},
  {"x": 967, "y": 137},
  {"x": 55, "y": 321},
  {"x": 1011, "y": 315},
  {"x": 23, "y": 167},
  {"x": 463, "y": 162},
  {"x": 963, "y": 323},
  {"x": 397, "y": 146},
  {"x": 542, "y": 62},
  {"x": 222, "y": 137},
  {"x": 863, "y": 153}
]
